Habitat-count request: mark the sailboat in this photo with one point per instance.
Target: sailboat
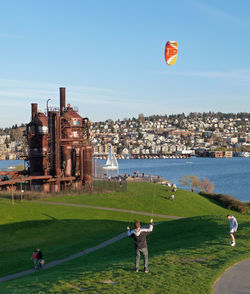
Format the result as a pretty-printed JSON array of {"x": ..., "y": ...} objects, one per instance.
[{"x": 111, "y": 163}]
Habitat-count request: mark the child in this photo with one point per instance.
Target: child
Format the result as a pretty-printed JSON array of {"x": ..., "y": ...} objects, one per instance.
[
  {"x": 233, "y": 227},
  {"x": 34, "y": 257}
]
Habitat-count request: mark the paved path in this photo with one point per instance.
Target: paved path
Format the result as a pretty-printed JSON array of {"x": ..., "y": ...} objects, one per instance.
[
  {"x": 235, "y": 280},
  {"x": 56, "y": 262},
  {"x": 86, "y": 251},
  {"x": 111, "y": 209}
]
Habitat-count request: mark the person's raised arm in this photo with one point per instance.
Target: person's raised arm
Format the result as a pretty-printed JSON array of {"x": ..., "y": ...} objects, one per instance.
[{"x": 128, "y": 231}]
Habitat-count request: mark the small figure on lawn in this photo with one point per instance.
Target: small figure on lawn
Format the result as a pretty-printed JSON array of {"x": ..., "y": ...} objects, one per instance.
[
  {"x": 233, "y": 227},
  {"x": 139, "y": 235},
  {"x": 40, "y": 260},
  {"x": 34, "y": 257},
  {"x": 172, "y": 197}
]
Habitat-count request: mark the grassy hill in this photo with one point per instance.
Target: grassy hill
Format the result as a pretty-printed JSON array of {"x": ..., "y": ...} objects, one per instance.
[
  {"x": 151, "y": 198},
  {"x": 186, "y": 255}
]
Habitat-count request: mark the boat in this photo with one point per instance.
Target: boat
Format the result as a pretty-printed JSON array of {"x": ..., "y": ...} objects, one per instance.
[
  {"x": 11, "y": 167},
  {"x": 111, "y": 163}
]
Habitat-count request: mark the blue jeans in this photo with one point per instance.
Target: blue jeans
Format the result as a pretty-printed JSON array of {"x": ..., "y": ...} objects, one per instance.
[
  {"x": 39, "y": 265},
  {"x": 144, "y": 252}
]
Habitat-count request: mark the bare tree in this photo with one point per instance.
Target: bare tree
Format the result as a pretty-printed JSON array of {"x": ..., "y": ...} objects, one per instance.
[
  {"x": 207, "y": 186},
  {"x": 190, "y": 181}
]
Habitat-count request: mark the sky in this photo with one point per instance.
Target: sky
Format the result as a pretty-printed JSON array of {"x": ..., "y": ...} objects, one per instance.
[{"x": 110, "y": 57}]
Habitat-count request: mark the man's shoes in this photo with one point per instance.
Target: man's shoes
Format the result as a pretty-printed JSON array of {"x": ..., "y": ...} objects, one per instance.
[
  {"x": 146, "y": 271},
  {"x": 136, "y": 270},
  {"x": 232, "y": 244}
]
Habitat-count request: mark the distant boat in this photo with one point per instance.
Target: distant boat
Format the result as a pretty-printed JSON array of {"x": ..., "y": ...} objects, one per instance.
[
  {"x": 111, "y": 163},
  {"x": 11, "y": 167}
]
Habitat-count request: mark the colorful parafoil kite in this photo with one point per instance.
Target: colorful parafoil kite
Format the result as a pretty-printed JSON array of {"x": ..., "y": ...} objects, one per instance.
[{"x": 171, "y": 51}]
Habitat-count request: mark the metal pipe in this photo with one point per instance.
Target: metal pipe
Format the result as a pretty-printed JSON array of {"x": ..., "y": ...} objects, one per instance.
[
  {"x": 33, "y": 110},
  {"x": 47, "y": 105},
  {"x": 62, "y": 100}
]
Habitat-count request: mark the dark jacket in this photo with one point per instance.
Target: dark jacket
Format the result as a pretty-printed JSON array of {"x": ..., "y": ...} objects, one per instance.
[
  {"x": 139, "y": 236},
  {"x": 39, "y": 255}
]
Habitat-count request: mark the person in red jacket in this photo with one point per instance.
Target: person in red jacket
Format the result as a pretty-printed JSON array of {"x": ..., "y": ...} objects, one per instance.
[
  {"x": 34, "y": 257},
  {"x": 139, "y": 235}
]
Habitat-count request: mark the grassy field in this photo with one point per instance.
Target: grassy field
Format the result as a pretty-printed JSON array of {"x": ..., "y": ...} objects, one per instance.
[
  {"x": 59, "y": 231},
  {"x": 151, "y": 198},
  {"x": 186, "y": 255}
]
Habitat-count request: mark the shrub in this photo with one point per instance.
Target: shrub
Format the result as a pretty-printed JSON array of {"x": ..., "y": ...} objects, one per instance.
[{"x": 227, "y": 201}]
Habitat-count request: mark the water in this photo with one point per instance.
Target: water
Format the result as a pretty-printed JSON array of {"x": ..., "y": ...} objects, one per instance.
[
  {"x": 230, "y": 176},
  {"x": 5, "y": 164}
]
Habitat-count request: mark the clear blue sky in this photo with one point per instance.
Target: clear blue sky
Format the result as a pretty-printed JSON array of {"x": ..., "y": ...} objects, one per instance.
[{"x": 110, "y": 56}]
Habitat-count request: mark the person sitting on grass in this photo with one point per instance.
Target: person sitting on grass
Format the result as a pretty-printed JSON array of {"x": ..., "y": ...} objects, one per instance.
[
  {"x": 139, "y": 235},
  {"x": 233, "y": 227}
]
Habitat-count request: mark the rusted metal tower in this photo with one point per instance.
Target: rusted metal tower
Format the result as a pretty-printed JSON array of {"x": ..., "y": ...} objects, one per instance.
[{"x": 59, "y": 147}]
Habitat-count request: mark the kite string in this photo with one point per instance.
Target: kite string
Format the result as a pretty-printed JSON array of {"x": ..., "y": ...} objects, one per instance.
[
  {"x": 134, "y": 202},
  {"x": 153, "y": 204}
]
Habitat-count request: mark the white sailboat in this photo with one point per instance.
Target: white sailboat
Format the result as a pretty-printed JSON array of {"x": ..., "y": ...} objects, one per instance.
[{"x": 111, "y": 163}]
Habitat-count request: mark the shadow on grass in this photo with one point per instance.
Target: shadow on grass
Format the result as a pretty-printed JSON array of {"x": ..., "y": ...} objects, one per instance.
[
  {"x": 56, "y": 238},
  {"x": 196, "y": 240}
]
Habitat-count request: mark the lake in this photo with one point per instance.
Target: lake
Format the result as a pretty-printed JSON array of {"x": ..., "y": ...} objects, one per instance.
[{"x": 230, "y": 176}]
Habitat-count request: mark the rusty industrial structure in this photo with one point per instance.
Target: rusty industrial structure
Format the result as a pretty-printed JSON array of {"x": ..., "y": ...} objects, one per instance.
[{"x": 59, "y": 150}]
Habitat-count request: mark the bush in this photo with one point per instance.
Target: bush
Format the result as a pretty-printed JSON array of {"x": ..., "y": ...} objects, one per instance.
[{"x": 227, "y": 201}]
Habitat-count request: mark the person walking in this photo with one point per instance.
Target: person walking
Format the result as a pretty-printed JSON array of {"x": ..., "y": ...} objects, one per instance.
[
  {"x": 39, "y": 258},
  {"x": 233, "y": 227},
  {"x": 34, "y": 257},
  {"x": 139, "y": 235}
]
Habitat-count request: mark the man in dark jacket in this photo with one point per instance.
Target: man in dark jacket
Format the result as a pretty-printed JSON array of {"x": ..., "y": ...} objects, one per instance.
[
  {"x": 139, "y": 235},
  {"x": 39, "y": 258}
]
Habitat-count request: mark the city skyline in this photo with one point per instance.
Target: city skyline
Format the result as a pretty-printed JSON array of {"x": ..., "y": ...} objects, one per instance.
[{"x": 110, "y": 57}]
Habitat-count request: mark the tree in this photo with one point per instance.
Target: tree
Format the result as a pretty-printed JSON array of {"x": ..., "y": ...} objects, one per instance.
[
  {"x": 207, "y": 186},
  {"x": 7, "y": 143},
  {"x": 190, "y": 181}
]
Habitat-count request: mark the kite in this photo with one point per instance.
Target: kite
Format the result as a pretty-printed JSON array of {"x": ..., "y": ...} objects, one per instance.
[{"x": 171, "y": 51}]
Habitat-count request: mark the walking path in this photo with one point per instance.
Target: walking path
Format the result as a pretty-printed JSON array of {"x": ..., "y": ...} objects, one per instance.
[
  {"x": 108, "y": 208},
  {"x": 86, "y": 251},
  {"x": 56, "y": 262},
  {"x": 236, "y": 279}
]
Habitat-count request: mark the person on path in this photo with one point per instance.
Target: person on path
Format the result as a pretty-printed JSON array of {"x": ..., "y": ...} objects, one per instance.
[
  {"x": 233, "y": 227},
  {"x": 139, "y": 235},
  {"x": 39, "y": 258},
  {"x": 34, "y": 257}
]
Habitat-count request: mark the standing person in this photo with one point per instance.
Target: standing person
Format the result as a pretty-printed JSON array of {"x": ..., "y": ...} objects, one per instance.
[
  {"x": 233, "y": 227},
  {"x": 139, "y": 235},
  {"x": 34, "y": 257},
  {"x": 39, "y": 258}
]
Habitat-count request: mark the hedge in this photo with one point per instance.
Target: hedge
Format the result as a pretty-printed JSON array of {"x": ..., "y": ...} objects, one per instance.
[{"x": 227, "y": 201}]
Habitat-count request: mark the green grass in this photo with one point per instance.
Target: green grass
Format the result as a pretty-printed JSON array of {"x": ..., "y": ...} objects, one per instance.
[
  {"x": 151, "y": 198},
  {"x": 58, "y": 231},
  {"x": 186, "y": 256}
]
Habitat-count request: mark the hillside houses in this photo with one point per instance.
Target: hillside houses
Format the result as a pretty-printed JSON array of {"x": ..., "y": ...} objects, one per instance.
[{"x": 175, "y": 133}]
